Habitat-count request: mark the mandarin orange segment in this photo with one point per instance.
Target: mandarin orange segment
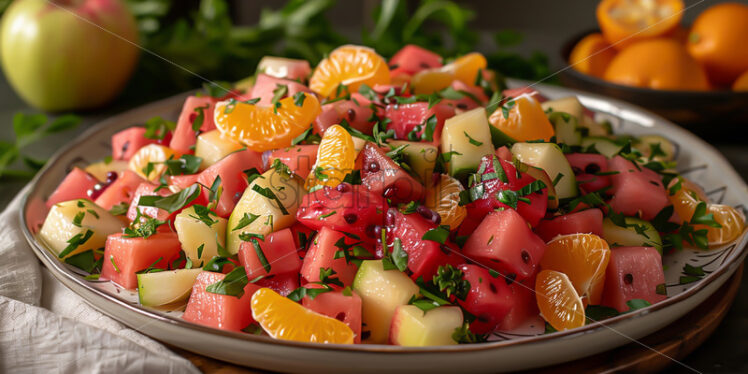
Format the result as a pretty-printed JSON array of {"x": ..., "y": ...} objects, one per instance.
[
  {"x": 284, "y": 319},
  {"x": 525, "y": 120},
  {"x": 444, "y": 198},
  {"x": 351, "y": 66},
  {"x": 731, "y": 220},
  {"x": 583, "y": 258},
  {"x": 689, "y": 195},
  {"x": 336, "y": 157},
  {"x": 557, "y": 300},
  {"x": 625, "y": 21},
  {"x": 153, "y": 154},
  {"x": 265, "y": 128}
]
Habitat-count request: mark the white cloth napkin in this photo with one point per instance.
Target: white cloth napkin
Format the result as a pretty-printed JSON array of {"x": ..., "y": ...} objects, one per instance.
[{"x": 46, "y": 328}]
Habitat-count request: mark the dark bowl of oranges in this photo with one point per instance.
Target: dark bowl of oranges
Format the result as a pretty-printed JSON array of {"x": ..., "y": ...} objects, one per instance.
[{"x": 696, "y": 76}]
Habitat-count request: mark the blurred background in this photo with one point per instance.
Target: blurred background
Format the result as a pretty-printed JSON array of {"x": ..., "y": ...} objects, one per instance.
[{"x": 186, "y": 42}]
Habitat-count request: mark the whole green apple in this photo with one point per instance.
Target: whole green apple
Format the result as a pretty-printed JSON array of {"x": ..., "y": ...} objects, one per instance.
[{"x": 68, "y": 54}]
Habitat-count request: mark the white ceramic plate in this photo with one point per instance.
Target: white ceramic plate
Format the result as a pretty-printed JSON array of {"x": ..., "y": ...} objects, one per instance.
[{"x": 696, "y": 159}]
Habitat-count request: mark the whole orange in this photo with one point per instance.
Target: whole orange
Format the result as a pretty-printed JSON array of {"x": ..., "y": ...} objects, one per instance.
[
  {"x": 592, "y": 55},
  {"x": 661, "y": 63},
  {"x": 741, "y": 84},
  {"x": 624, "y": 22},
  {"x": 718, "y": 41}
]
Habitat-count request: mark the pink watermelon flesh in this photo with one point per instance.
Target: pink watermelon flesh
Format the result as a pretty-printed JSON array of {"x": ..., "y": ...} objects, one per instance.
[
  {"x": 633, "y": 273},
  {"x": 231, "y": 170},
  {"x": 490, "y": 299},
  {"x": 128, "y": 141},
  {"x": 384, "y": 177},
  {"x": 337, "y": 305},
  {"x": 220, "y": 311},
  {"x": 503, "y": 241},
  {"x": 146, "y": 189},
  {"x": 121, "y": 191},
  {"x": 354, "y": 112},
  {"x": 524, "y": 305},
  {"x": 75, "y": 186},
  {"x": 184, "y": 138},
  {"x": 321, "y": 255},
  {"x": 131, "y": 255},
  {"x": 266, "y": 84},
  {"x": 283, "y": 284},
  {"x": 588, "y": 221},
  {"x": 280, "y": 253},
  {"x": 636, "y": 192},
  {"x": 412, "y": 118},
  {"x": 299, "y": 158},
  {"x": 585, "y": 166},
  {"x": 411, "y": 59},
  {"x": 424, "y": 256}
]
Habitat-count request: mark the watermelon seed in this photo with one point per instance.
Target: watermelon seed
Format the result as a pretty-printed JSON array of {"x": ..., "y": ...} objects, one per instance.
[
  {"x": 351, "y": 114},
  {"x": 350, "y": 218},
  {"x": 525, "y": 257},
  {"x": 628, "y": 278},
  {"x": 493, "y": 288},
  {"x": 592, "y": 169},
  {"x": 510, "y": 279},
  {"x": 340, "y": 317}
]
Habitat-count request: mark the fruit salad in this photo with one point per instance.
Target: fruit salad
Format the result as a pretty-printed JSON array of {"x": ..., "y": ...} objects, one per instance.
[{"x": 410, "y": 201}]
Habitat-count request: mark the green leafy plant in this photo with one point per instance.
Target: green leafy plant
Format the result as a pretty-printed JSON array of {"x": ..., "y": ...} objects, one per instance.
[{"x": 28, "y": 129}]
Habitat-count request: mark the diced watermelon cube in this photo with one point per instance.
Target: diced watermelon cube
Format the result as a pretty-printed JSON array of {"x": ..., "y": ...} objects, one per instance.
[
  {"x": 384, "y": 177},
  {"x": 514, "y": 181},
  {"x": 586, "y": 221},
  {"x": 636, "y": 191},
  {"x": 473, "y": 96},
  {"x": 489, "y": 298},
  {"x": 123, "y": 256},
  {"x": 266, "y": 84},
  {"x": 356, "y": 113},
  {"x": 283, "y": 284},
  {"x": 411, "y": 59},
  {"x": 146, "y": 189},
  {"x": 128, "y": 141},
  {"x": 184, "y": 138},
  {"x": 406, "y": 117},
  {"x": 633, "y": 273},
  {"x": 337, "y": 305},
  {"x": 287, "y": 68},
  {"x": 75, "y": 186},
  {"x": 424, "y": 256},
  {"x": 279, "y": 251},
  {"x": 231, "y": 170},
  {"x": 321, "y": 255},
  {"x": 348, "y": 208},
  {"x": 183, "y": 181},
  {"x": 503, "y": 241},
  {"x": 585, "y": 166},
  {"x": 298, "y": 158},
  {"x": 220, "y": 311},
  {"x": 524, "y": 305},
  {"x": 121, "y": 191}
]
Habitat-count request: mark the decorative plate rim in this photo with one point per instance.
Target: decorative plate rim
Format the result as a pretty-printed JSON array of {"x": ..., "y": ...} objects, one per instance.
[{"x": 66, "y": 275}]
